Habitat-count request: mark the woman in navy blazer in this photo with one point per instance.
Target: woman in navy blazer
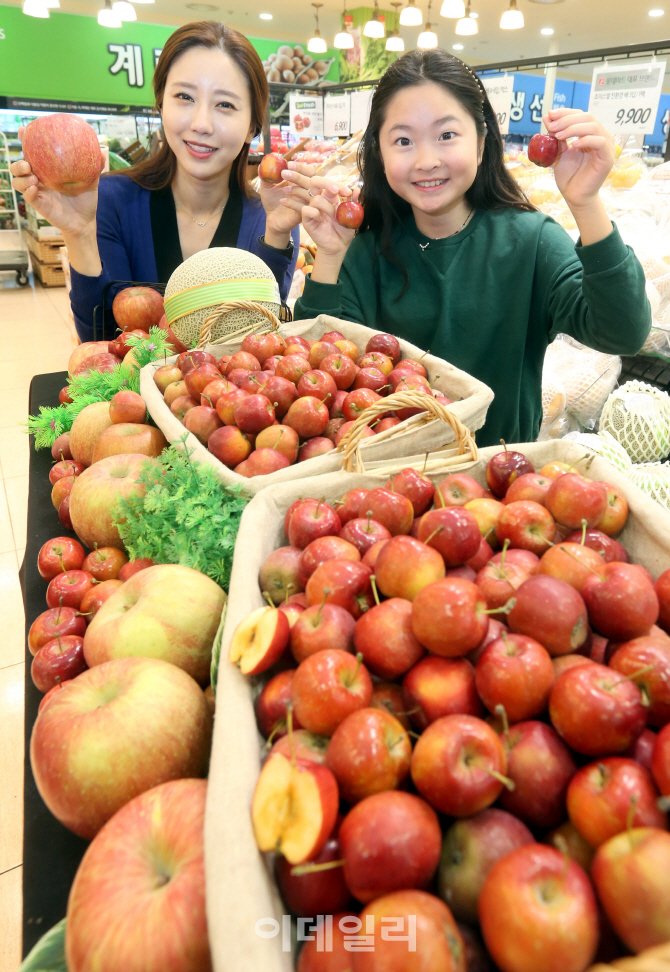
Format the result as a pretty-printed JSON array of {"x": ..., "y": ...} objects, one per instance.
[{"x": 211, "y": 91}]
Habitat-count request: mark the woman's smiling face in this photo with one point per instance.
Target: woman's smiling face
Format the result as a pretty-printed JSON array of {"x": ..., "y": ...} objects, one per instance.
[
  {"x": 429, "y": 147},
  {"x": 206, "y": 111}
]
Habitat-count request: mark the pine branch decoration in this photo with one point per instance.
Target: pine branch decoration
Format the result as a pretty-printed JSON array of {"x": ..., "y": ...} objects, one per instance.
[
  {"x": 186, "y": 517},
  {"x": 98, "y": 386}
]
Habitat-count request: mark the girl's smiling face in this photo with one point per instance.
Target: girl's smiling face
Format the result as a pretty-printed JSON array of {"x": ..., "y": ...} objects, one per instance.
[
  {"x": 429, "y": 147},
  {"x": 206, "y": 111}
]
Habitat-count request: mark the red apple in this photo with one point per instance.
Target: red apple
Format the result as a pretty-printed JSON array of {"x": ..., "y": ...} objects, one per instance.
[
  {"x": 530, "y": 486},
  {"x": 253, "y": 413},
  {"x": 65, "y": 468},
  {"x": 309, "y": 522},
  {"x": 405, "y": 567},
  {"x": 417, "y": 488},
  {"x": 621, "y": 601},
  {"x": 54, "y": 623},
  {"x": 573, "y": 563},
  {"x": 229, "y": 445},
  {"x": 596, "y": 711},
  {"x": 137, "y": 307},
  {"x": 390, "y": 841},
  {"x": 503, "y": 468},
  {"x": 543, "y": 150},
  {"x": 321, "y": 628},
  {"x": 364, "y": 533},
  {"x": 384, "y": 363},
  {"x": 292, "y": 367},
  {"x": 259, "y": 640},
  {"x": 449, "y": 616},
  {"x": 471, "y": 847},
  {"x": 271, "y": 168},
  {"x": 457, "y": 765},
  {"x": 105, "y": 563},
  {"x": 319, "y": 893},
  {"x": 319, "y": 385},
  {"x": 342, "y": 370},
  {"x": 527, "y": 525},
  {"x": 63, "y": 152},
  {"x": 134, "y": 567},
  {"x": 631, "y": 873},
  {"x": 69, "y": 588},
  {"x": 326, "y": 687},
  {"x": 348, "y": 506},
  {"x": 349, "y": 214},
  {"x": 573, "y": 499},
  {"x": 344, "y": 583},
  {"x": 646, "y": 661},
  {"x": 308, "y": 416},
  {"x": 540, "y": 766},
  {"x": 453, "y": 532},
  {"x": 551, "y": 611},
  {"x": 189, "y": 360},
  {"x": 383, "y": 636},
  {"x": 457, "y": 490},
  {"x": 611, "y": 796},
  {"x": 323, "y": 549},
  {"x": 435, "y": 687},
  {"x": 94, "y": 598},
  {"x": 59, "y": 555},
  {"x": 128, "y": 406},
  {"x": 516, "y": 672},
  {"x": 272, "y": 706},
  {"x": 538, "y": 912},
  {"x": 387, "y": 344},
  {"x": 500, "y": 579},
  {"x": 372, "y": 378},
  {"x": 369, "y": 753}
]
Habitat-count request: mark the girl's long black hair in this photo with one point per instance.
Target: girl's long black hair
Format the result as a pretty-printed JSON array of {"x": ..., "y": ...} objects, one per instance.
[{"x": 493, "y": 188}]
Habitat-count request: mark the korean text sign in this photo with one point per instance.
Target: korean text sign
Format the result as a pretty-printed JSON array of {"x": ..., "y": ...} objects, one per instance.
[{"x": 625, "y": 99}]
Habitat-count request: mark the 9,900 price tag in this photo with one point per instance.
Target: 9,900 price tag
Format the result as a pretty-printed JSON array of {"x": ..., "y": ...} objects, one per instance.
[
  {"x": 499, "y": 90},
  {"x": 336, "y": 114},
  {"x": 625, "y": 99}
]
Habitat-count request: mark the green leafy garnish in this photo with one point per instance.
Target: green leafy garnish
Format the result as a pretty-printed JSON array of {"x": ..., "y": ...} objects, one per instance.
[
  {"x": 48, "y": 955},
  {"x": 187, "y": 516}
]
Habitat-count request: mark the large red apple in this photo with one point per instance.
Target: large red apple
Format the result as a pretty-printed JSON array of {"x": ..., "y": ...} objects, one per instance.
[
  {"x": 169, "y": 611},
  {"x": 63, "y": 152},
  {"x": 147, "y": 719},
  {"x": 96, "y": 492},
  {"x": 129, "y": 438},
  {"x": 86, "y": 430},
  {"x": 538, "y": 912},
  {"x": 138, "y": 899},
  {"x": 137, "y": 307}
]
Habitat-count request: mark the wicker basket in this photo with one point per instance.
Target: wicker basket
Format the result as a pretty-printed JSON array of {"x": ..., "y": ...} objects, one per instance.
[
  {"x": 427, "y": 432},
  {"x": 240, "y": 885}
]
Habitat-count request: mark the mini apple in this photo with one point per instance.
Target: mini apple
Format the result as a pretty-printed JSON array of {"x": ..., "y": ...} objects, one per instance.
[
  {"x": 229, "y": 445},
  {"x": 181, "y": 405},
  {"x": 458, "y": 765},
  {"x": 387, "y": 696},
  {"x": 486, "y": 512},
  {"x": 364, "y": 533},
  {"x": 435, "y": 687},
  {"x": 393, "y": 510},
  {"x": 537, "y": 912},
  {"x": 309, "y": 522},
  {"x": 59, "y": 660},
  {"x": 384, "y": 363},
  {"x": 321, "y": 550},
  {"x": 262, "y": 462},
  {"x": 449, "y": 616},
  {"x": 94, "y": 598},
  {"x": 212, "y": 392},
  {"x": 530, "y": 486},
  {"x": 369, "y": 753},
  {"x": 371, "y": 378},
  {"x": 199, "y": 377},
  {"x": 64, "y": 514},
  {"x": 453, "y": 532},
  {"x": 349, "y": 214},
  {"x": 418, "y": 489},
  {"x": 259, "y": 640},
  {"x": 597, "y": 711},
  {"x": 343, "y": 371},
  {"x": 573, "y": 563},
  {"x": 327, "y": 687},
  {"x": 105, "y": 563},
  {"x": 470, "y": 849},
  {"x": 516, "y": 672},
  {"x": 271, "y": 168},
  {"x": 69, "y": 588},
  {"x": 383, "y": 636},
  {"x": 65, "y": 468},
  {"x": 527, "y": 525},
  {"x": 342, "y": 582},
  {"x": 646, "y": 661},
  {"x": 280, "y": 437},
  {"x": 292, "y": 367},
  {"x": 54, "y": 623},
  {"x": 316, "y": 446},
  {"x": 543, "y": 150},
  {"x": 302, "y": 744},
  {"x": 573, "y": 499},
  {"x": 120, "y": 347},
  {"x": 390, "y": 841},
  {"x": 189, "y": 360},
  {"x": 59, "y": 555},
  {"x": 631, "y": 873},
  {"x": 320, "y": 893},
  {"x": 387, "y": 344},
  {"x": 61, "y": 447},
  {"x": 566, "y": 837},
  {"x": 616, "y": 512},
  {"x": 61, "y": 489},
  {"x": 279, "y": 575},
  {"x": 349, "y": 504},
  {"x": 272, "y": 706},
  {"x": 458, "y": 489},
  {"x": 319, "y": 350},
  {"x": 541, "y": 766},
  {"x": 318, "y": 384},
  {"x": 405, "y": 567},
  {"x": 503, "y": 468},
  {"x": 320, "y": 628},
  {"x": 551, "y": 611},
  {"x": 308, "y": 416},
  {"x": 500, "y": 579},
  {"x": 134, "y": 567}
]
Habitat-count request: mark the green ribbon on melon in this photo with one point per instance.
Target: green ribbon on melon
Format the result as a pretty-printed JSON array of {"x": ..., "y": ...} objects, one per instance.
[{"x": 209, "y": 295}]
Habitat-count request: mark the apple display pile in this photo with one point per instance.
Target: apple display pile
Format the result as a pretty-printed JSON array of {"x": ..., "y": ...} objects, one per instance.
[
  {"x": 466, "y": 702},
  {"x": 279, "y": 401}
]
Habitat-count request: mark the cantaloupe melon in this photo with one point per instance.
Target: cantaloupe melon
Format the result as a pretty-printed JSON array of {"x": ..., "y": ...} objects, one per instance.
[
  {"x": 638, "y": 416},
  {"x": 209, "y": 278}
]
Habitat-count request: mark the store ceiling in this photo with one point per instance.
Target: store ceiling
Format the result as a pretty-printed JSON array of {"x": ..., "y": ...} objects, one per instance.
[{"x": 578, "y": 24}]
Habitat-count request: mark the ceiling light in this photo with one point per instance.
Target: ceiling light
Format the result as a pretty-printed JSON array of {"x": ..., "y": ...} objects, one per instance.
[
  {"x": 656, "y": 13},
  {"x": 453, "y": 8},
  {"x": 265, "y": 16},
  {"x": 411, "y": 16},
  {"x": 512, "y": 19},
  {"x": 317, "y": 44},
  {"x": 547, "y": 31},
  {"x": 466, "y": 25},
  {"x": 474, "y": 16},
  {"x": 394, "y": 41},
  {"x": 35, "y": 8},
  {"x": 427, "y": 38},
  {"x": 374, "y": 27},
  {"x": 107, "y": 17},
  {"x": 458, "y": 47},
  {"x": 344, "y": 40},
  {"x": 125, "y": 10}
]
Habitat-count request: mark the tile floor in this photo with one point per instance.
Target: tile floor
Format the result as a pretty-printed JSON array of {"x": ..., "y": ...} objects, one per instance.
[{"x": 35, "y": 338}]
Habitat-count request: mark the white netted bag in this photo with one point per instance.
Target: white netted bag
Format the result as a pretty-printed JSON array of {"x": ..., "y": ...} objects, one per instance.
[
  {"x": 554, "y": 398},
  {"x": 653, "y": 478},
  {"x": 637, "y": 415},
  {"x": 587, "y": 376},
  {"x": 605, "y": 445}
]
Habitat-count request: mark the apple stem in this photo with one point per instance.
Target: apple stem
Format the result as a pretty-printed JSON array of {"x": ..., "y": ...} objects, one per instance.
[
  {"x": 584, "y": 526},
  {"x": 504, "y": 552},
  {"x": 209, "y": 400},
  {"x": 577, "y": 461},
  {"x": 632, "y": 676},
  {"x": 373, "y": 584},
  {"x": 268, "y": 598},
  {"x": 279, "y": 725},
  {"x": 359, "y": 661},
  {"x": 301, "y": 869},
  {"x": 60, "y": 608},
  {"x": 438, "y": 492},
  {"x": 436, "y": 530},
  {"x": 325, "y": 598},
  {"x": 630, "y": 817},
  {"x": 414, "y": 735},
  {"x": 62, "y": 566},
  {"x": 501, "y": 712},
  {"x": 507, "y": 644},
  {"x": 591, "y": 569},
  {"x": 505, "y": 609},
  {"x": 423, "y": 355},
  {"x": 505, "y": 780},
  {"x": 562, "y": 845},
  {"x": 504, "y": 445}
]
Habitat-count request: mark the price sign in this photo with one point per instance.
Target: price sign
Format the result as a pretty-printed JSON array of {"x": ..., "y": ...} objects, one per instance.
[
  {"x": 500, "y": 91},
  {"x": 625, "y": 99},
  {"x": 360, "y": 109},
  {"x": 306, "y": 116},
  {"x": 336, "y": 114}
]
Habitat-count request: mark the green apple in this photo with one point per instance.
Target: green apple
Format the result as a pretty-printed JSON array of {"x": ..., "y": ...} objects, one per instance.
[
  {"x": 113, "y": 732},
  {"x": 168, "y": 611},
  {"x": 106, "y": 482}
]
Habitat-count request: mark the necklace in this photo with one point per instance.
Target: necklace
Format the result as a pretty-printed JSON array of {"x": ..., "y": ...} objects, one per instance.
[
  {"x": 424, "y": 246},
  {"x": 197, "y": 221}
]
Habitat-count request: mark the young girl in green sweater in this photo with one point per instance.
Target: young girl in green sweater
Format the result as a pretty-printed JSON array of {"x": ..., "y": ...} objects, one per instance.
[{"x": 451, "y": 255}]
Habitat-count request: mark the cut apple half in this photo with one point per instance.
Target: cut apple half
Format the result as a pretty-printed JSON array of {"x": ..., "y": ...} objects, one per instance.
[
  {"x": 259, "y": 640},
  {"x": 294, "y": 807}
]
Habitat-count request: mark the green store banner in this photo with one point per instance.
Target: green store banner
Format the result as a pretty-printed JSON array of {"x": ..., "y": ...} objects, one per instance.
[{"x": 70, "y": 62}]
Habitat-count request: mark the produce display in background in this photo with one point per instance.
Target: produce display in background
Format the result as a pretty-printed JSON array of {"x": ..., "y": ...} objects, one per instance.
[
  {"x": 294, "y": 64},
  {"x": 556, "y": 633},
  {"x": 368, "y": 58},
  {"x": 576, "y": 382}
]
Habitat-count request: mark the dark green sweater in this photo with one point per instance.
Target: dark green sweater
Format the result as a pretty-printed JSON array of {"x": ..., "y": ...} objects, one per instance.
[{"x": 490, "y": 299}]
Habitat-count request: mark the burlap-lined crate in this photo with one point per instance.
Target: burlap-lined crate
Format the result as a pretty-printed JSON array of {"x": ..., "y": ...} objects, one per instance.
[
  {"x": 422, "y": 433},
  {"x": 240, "y": 886}
]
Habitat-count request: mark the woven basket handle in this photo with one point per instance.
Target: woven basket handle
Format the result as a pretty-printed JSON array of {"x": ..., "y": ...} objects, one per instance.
[
  {"x": 351, "y": 443},
  {"x": 222, "y": 309}
]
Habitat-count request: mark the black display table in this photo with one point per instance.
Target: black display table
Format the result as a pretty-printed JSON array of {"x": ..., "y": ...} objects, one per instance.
[{"x": 51, "y": 854}]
